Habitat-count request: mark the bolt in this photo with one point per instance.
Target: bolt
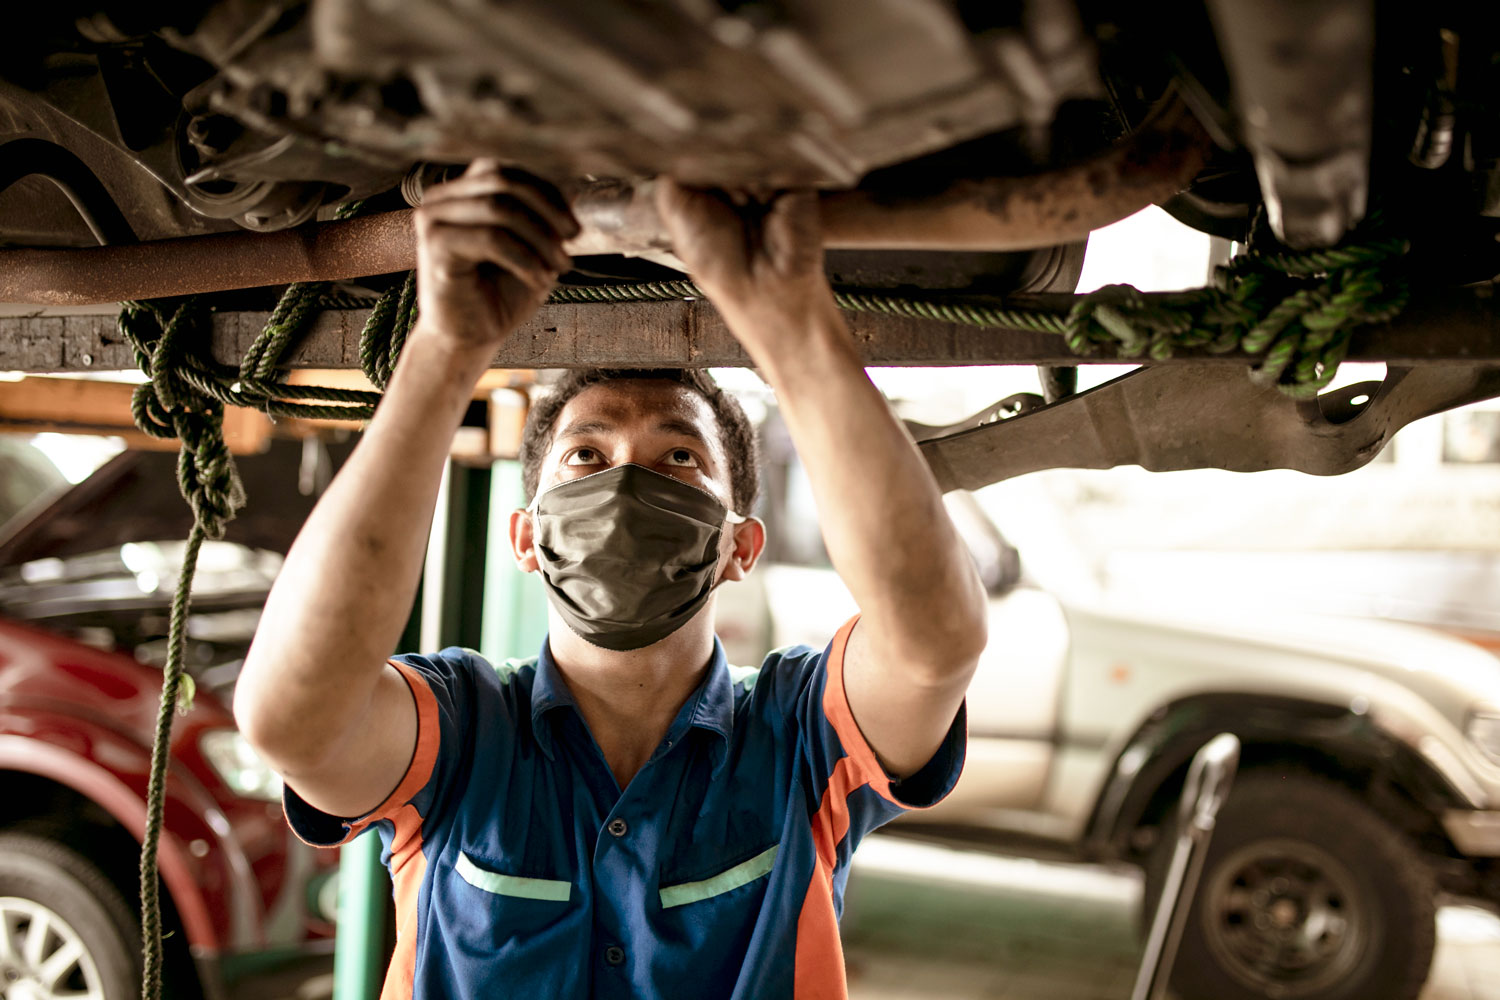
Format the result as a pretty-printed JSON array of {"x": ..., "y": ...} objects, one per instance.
[
  {"x": 210, "y": 134},
  {"x": 87, "y": 359}
]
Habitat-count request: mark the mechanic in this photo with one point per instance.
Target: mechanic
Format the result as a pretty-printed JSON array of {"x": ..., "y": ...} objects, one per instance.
[{"x": 625, "y": 815}]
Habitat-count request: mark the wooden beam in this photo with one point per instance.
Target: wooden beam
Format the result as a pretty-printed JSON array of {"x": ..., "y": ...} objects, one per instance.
[
  {"x": 90, "y": 406},
  {"x": 1442, "y": 327},
  {"x": 45, "y": 404}
]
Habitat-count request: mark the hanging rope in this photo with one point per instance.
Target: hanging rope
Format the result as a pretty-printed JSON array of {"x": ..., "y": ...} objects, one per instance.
[
  {"x": 185, "y": 399},
  {"x": 169, "y": 406},
  {"x": 1296, "y": 311}
]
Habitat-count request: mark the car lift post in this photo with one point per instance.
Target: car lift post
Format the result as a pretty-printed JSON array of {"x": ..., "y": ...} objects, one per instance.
[{"x": 515, "y": 612}]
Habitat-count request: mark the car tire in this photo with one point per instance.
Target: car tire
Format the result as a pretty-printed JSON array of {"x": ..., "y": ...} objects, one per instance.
[
  {"x": 1306, "y": 894},
  {"x": 50, "y": 890}
]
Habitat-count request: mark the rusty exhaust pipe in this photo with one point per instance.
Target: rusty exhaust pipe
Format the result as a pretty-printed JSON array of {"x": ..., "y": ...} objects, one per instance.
[
  {"x": 993, "y": 214},
  {"x": 330, "y": 251}
]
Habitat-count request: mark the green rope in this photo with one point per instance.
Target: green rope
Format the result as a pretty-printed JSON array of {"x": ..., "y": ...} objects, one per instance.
[
  {"x": 385, "y": 331},
  {"x": 297, "y": 306},
  {"x": 945, "y": 310},
  {"x": 169, "y": 406},
  {"x": 1295, "y": 310},
  {"x": 185, "y": 399}
]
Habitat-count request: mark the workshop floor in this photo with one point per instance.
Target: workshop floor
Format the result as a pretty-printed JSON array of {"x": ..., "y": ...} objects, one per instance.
[{"x": 926, "y": 922}]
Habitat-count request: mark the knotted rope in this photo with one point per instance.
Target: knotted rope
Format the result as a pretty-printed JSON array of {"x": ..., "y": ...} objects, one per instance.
[
  {"x": 1297, "y": 311},
  {"x": 185, "y": 399}
]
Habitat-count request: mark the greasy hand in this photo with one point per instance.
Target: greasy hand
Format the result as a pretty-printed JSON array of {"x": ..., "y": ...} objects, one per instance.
[
  {"x": 489, "y": 250},
  {"x": 760, "y": 261}
]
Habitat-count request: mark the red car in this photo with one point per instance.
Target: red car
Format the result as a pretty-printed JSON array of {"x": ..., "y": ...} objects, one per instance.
[{"x": 83, "y": 597}]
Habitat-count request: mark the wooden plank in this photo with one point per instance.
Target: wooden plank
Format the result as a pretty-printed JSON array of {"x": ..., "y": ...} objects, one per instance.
[
  {"x": 1444, "y": 327},
  {"x": 67, "y": 401},
  {"x": 89, "y": 406}
]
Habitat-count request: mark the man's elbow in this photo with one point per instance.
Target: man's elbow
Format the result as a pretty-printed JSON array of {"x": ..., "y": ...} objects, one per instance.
[
  {"x": 966, "y": 639},
  {"x": 289, "y": 744},
  {"x": 951, "y": 643},
  {"x": 967, "y": 626}
]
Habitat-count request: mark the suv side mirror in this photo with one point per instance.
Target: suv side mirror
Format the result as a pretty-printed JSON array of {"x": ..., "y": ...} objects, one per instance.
[{"x": 999, "y": 562}]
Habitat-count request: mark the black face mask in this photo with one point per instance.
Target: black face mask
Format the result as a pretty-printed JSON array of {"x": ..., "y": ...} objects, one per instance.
[{"x": 628, "y": 555}]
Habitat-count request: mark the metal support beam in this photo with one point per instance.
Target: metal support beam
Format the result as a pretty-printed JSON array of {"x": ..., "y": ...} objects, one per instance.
[
  {"x": 1453, "y": 326},
  {"x": 1207, "y": 417}
]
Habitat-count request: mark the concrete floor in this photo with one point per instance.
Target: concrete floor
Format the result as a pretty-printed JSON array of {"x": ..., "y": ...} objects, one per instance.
[{"x": 927, "y": 922}]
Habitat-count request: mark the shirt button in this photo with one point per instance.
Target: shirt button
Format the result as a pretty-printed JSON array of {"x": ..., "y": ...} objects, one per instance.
[
  {"x": 614, "y": 955},
  {"x": 618, "y": 828}
]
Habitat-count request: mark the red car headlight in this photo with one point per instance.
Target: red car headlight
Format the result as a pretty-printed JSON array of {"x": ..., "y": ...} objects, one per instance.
[{"x": 239, "y": 766}]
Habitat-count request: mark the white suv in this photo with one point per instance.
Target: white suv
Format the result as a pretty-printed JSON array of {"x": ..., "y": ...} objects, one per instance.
[{"x": 1369, "y": 778}]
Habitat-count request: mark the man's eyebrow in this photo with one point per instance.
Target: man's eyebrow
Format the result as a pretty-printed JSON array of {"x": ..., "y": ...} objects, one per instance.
[
  {"x": 586, "y": 427},
  {"x": 678, "y": 426}
]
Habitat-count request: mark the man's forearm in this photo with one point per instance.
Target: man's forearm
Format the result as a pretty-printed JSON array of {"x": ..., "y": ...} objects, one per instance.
[
  {"x": 345, "y": 591},
  {"x": 883, "y": 519}
]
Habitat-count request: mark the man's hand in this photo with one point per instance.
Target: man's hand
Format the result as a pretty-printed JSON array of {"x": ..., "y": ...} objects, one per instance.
[
  {"x": 759, "y": 260},
  {"x": 489, "y": 250}
]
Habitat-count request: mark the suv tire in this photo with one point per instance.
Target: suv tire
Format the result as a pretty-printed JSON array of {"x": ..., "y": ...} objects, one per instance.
[
  {"x": 80, "y": 911},
  {"x": 1306, "y": 894}
]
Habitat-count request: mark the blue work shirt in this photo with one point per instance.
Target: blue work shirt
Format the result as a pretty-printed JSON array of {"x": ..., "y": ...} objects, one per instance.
[{"x": 521, "y": 868}]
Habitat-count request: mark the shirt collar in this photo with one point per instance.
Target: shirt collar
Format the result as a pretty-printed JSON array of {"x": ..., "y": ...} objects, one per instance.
[{"x": 710, "y": 707}]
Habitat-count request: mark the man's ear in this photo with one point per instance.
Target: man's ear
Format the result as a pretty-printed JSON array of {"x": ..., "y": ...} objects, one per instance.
[
  {"x": 522, "y": 542},
  {"x": 749, "y": 541}
]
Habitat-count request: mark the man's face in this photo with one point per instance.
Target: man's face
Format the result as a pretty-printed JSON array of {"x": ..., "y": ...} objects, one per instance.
[{"x": 662, "y": 425}]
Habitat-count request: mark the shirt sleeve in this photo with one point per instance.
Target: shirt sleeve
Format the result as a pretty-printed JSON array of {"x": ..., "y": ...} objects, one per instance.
[
  {"x": 840, "y": 759},
  {"x": 443, "y": 688}
]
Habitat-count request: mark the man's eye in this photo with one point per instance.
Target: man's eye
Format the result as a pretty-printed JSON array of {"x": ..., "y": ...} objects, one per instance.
[
  {"x": 681, "y": 457},
  {"x": 583, "y": 456}
]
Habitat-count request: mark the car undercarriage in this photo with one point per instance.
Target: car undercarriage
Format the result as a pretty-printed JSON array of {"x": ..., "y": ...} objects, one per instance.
[{"x": 962, "y": 151}]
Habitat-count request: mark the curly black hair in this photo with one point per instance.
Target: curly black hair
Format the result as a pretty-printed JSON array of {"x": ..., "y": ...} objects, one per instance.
[{"x": 735, "y": 431}]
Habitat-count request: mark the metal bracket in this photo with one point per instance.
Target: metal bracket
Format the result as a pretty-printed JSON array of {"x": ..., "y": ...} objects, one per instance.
[{"x": 1201, "y": 417}]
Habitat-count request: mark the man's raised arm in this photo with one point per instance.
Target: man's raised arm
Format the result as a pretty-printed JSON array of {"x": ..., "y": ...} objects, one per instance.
[
  {"x": 922, "y": 623},
  {"x": 316, "y": 696}
]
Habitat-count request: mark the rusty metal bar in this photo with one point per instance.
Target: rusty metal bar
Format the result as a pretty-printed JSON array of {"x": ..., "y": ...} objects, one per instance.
[
  {"x": 1000, "y": 213},
  {"x": 1020, "y": 213},
  {"x": 330, "y": 251},
  {"x": 1440, "y": 327}
]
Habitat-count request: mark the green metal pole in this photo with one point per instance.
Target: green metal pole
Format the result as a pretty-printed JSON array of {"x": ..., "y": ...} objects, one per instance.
[
  {"x": 358, "y": 956},
  {"x": 515, "y": 619}
]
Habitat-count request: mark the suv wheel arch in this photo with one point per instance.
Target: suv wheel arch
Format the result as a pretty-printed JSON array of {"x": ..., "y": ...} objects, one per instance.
[{"x": 1327, "y": 740}]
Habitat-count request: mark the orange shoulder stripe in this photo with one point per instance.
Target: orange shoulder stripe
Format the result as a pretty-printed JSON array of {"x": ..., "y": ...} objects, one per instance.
[
  {"x": 818, "y": 972},
  {"x": 408, "y": 867},
  {"x": 841, "y": 717},
  {"x": 423, "y": 758}
]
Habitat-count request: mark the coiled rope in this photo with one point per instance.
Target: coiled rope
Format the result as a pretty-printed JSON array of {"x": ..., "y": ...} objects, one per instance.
[{"x": 1296, "y": 310}]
